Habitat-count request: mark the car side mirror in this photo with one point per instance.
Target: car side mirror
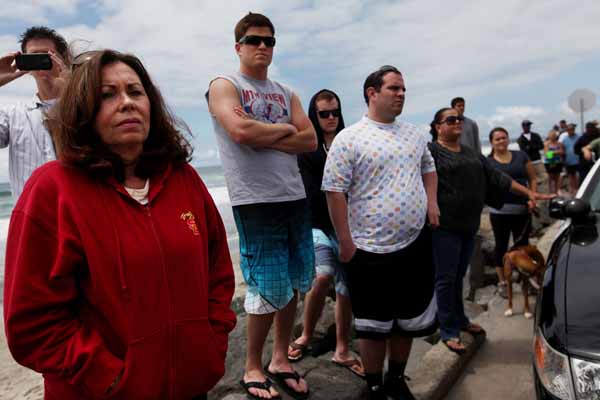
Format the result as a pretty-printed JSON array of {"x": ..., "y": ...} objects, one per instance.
[
  {"x": 556, "y": 208},
  {"x": 576, "y": 209}
]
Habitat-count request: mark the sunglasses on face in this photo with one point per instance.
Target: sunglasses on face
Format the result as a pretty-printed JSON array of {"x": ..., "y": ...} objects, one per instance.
[
  {"x": 254, "y": 40},
  {"x": 453, "y": 120},
  {"x": 326, "y": 113}
]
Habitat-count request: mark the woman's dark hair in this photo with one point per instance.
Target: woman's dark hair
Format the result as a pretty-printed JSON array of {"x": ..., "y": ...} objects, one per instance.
[
  {"x": 71, "y": 123},
  {"x": 491, "y": 136},
  {"x": 437, "y": 119}
]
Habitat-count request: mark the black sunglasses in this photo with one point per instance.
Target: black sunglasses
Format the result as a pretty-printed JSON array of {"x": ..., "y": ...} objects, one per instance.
[
  {"x": 254, "y": 40},
  {"x": 326, "y": 113},
  {"x": 452, "y": 120}
]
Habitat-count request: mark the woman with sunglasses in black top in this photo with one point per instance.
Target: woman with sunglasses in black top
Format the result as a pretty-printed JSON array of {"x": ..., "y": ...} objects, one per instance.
[{"x": 466, "y": 181}]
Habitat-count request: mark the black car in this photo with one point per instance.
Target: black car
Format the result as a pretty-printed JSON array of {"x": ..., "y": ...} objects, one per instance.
[{"x": 566, "y": 350}]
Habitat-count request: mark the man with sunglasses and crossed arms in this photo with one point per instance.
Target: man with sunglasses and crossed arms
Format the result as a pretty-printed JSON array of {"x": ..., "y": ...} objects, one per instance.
[
  {"x": 381, "y": 184},
  {"x": 260, "y": 127},
  {"x": 22, "y": 127}
]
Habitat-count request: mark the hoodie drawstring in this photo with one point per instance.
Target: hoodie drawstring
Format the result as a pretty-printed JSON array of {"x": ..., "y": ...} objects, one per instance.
[{"x": 122, "y": 280}]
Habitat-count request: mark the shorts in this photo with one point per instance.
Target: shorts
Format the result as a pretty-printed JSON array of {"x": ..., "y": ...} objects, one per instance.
[
  {"x": 276, "y": 253},
  {"x": 326, "y": 260},
  {"x": 572, "y": 169},
  {"x": 554, "y": 169},
  {"x": 393, "y": 293}
]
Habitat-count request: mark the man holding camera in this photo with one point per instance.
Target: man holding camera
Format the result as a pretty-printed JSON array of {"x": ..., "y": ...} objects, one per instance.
[{"x": 22, "y": 127}]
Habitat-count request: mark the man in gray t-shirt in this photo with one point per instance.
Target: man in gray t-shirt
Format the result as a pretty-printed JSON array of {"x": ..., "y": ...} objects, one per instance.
[
  {"x": 470, "y": 133},
  {"x": 260, "y": 127}
]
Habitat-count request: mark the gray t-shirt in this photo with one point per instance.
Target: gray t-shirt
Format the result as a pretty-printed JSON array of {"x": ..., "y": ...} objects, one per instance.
[
  {"x": 470, "y": 135},
  {"x": 262, "y": 175}
]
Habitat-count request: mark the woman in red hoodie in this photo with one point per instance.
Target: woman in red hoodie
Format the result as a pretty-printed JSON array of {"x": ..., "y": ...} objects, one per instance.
[{"x": 118, "y": 277}]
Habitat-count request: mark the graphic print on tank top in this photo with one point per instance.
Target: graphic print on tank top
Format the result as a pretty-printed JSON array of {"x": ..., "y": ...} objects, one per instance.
[{"x": 265, "y": 107}]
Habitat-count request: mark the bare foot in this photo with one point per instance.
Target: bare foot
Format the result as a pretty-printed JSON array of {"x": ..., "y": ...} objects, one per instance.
[{"x": 258, "y": 376}]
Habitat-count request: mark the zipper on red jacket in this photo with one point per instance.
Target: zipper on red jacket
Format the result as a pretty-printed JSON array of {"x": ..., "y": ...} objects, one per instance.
[{"x": 170, "y": 330}]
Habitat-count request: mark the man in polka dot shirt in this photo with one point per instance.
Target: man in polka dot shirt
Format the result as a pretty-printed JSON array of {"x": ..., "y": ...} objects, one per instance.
[{"x": 381, "y": 186}]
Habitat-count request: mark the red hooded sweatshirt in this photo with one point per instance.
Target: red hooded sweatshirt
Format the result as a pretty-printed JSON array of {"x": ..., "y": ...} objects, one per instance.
[{"x": 97, "y": 284}]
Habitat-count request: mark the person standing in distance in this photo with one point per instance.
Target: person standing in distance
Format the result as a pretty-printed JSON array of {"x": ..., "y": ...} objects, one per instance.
[
  {"x": 532, "y": 144},
  {"x": 470, "y": 135},
  {"x": 260, "y": 127},
  {"x": 568, "y": 140}
]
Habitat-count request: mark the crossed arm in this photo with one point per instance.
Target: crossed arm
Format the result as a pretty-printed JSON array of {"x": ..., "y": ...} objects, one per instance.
[{"x": 296, "y": 137}]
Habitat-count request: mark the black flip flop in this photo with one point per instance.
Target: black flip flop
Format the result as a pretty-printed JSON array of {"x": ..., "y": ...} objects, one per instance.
[
  {"x": 266, "y": 385},
  {"x": 280, "y": 377}
]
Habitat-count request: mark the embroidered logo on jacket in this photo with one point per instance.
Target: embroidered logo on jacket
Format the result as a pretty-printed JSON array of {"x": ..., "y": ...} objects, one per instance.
[{"x": 190, "y": 221}]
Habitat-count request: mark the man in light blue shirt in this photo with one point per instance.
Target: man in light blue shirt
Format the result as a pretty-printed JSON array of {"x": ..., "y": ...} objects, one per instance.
[
  {"x": 568, "y": 140},
  {"x": 22, "y": 127}
]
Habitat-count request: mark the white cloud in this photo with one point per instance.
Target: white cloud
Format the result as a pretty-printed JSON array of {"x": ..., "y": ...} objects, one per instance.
[
  {"x": 510, "y": 117},
  {"x": 470, "y": 48},
  {"x": 36, "y": 11}
]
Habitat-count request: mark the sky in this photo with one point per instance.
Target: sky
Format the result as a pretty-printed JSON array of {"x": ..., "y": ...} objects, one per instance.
[{"x": 510, "y": 59}]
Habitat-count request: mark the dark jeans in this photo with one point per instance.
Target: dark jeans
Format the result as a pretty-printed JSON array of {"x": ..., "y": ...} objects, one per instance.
[
  {"x": 584, "y": 168},
  {"x": 505, "y": 224},
  {"x": 451, "y": 255}
]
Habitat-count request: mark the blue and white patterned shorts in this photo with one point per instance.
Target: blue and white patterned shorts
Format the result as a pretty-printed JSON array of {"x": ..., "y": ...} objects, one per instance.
[
  {"x": 276, "y": 253},
  {"x": 326, "y": 260}
]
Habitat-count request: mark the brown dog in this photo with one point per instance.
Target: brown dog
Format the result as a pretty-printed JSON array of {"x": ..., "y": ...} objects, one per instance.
[{"x": 530, "y": 264}]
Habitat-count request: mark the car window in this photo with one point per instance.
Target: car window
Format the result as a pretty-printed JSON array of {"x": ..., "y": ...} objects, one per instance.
[
  {"x": 595, "y": 199},
  {"x": 592, "y": 193}
]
